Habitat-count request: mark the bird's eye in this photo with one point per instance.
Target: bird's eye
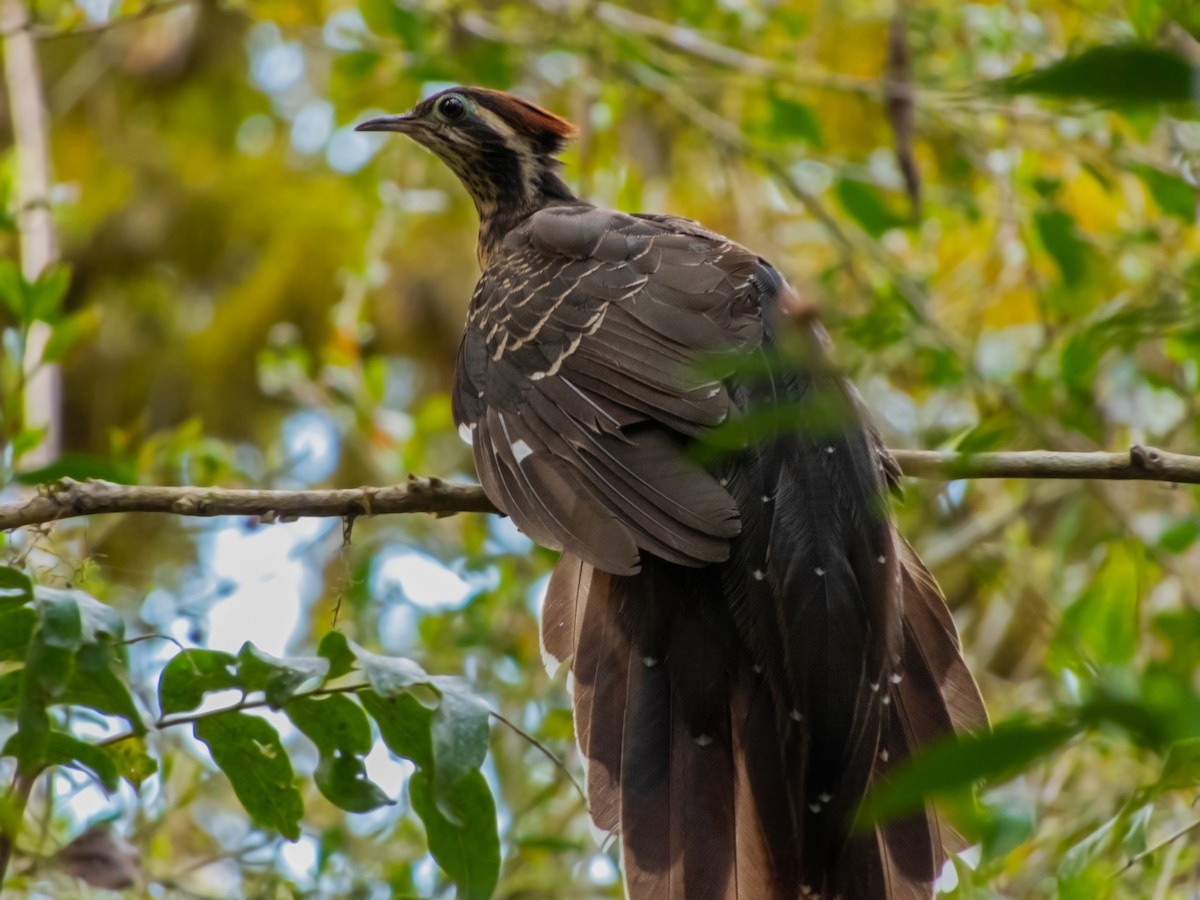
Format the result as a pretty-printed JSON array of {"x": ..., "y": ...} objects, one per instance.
[{"x": 452, "y": 108}]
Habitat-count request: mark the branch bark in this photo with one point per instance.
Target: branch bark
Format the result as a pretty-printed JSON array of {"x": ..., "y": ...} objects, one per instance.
[{"x": 68, "y": 498}]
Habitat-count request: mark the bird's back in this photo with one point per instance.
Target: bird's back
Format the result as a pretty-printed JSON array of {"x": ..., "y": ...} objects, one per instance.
[{"x": 752, "y": 643}]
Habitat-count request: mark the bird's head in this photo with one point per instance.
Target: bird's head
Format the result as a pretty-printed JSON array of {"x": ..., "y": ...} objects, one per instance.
[{"x": 501, "y": 147}]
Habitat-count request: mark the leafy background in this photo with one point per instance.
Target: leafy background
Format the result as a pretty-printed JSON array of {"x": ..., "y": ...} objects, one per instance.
[{"x": 252, "y": 295}]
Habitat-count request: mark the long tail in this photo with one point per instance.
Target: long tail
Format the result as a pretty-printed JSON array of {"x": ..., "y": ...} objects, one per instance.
[{"x": 733, "y": 716}]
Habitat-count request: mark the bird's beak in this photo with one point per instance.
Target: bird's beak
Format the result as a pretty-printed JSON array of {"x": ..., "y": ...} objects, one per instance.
[{"x": 405, "y": 124}]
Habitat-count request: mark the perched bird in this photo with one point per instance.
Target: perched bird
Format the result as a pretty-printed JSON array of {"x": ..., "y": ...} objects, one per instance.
[{"x": 753, "y": 645}]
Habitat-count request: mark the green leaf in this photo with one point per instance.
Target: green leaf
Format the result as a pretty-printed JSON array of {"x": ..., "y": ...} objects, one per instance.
[
  {"x": 12, "y": 289},
  {"x": 10, "y": 690},
  {"x": 15, "y": 588},
  {"x": 994, "y": 432},
  {"x": 389, "y": 19},
  {"x": 1118, "y": 74},
  {"x": 133, "y": 763},
  {"x": 1103, "y": 622},
  {"x": 16, "y": 629},
  {"x": 335, "y": 648},
  {"x": 952, "y": 765},
  {"x": 332, "y": 723},
  {"x": 794, "y": 121},
  {"x": 339, "y": 728},
  {"x": 1060, "y": 236},
  {"x": 1181, "y": 770},
  {"x": 81, "y": 467},
  {"x": 104, "y": 692},
  {"x": 1173, "y": 195},
  {"x": 468, "y": 852},
  {"x": 60, "y": 749},
  {"x": 190, "y": 674},
  {"x": 404, "y": 724},
  {"x": 389, "y": 675},
  {"x": 1176, "y": 539},
  {"x": 459, "y": 733},
  {"x": 279, "y": 678},
  {"x": 68, "y": 332},
  {"x": 46, "y": 294},
  {"x": 47, "y": 668},
  {"x": 1134, "y": 841},
  {"x": 1073, "y": 880},
  {"x": 61, "y": 618},
  {"x": 1077, "y": 362},
  {"x": 248, "y": 750},
  {"x": 865, "y": 204},
  {"x": 342, "y": 779},
  {"x": 71, "y": 618}
]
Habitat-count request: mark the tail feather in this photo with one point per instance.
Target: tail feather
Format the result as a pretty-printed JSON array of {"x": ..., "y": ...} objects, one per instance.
[{"x": 733, "y": 716}]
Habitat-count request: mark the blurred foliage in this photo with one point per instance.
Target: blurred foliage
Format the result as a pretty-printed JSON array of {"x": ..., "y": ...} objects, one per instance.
[{"x": 253, "y": 295}]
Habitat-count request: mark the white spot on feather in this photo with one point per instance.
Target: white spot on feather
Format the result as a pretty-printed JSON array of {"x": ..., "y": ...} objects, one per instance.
[
  {"x": 759, "y": 574},
  {"x": 884, "y": 755},
  {"x": 796, "y": 716},
  {"x": 829, "y": 449},
  {"x": 757, "y": 669},
  {"x": 886, "y": 700},
  {"x": 881, "y": 559},
  {"x": 467, "y": 433},
  {"x": 815, "y": 807},
  {"x": 766, "y": 498},
  {"x": 521, "y": 450},
  {"x": 825, "y": 798},
  {"x": 703, "y": 740},
  {"x": 649, "y": 662},
  {"x": 819, "y": 571},
  {"x": 897, "y": 678},
  {"x": 874, "y": 685}
]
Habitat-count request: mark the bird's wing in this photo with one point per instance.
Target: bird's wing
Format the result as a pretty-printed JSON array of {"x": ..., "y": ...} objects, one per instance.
[{"x": 586, "y": 365}]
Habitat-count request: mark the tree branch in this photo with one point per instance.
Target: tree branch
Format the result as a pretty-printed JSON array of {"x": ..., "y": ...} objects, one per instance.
[{"x": 67, "y": 499}]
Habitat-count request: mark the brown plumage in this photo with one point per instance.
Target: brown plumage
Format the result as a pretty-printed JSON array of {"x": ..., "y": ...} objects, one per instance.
[{"x": 752, "y": 643}]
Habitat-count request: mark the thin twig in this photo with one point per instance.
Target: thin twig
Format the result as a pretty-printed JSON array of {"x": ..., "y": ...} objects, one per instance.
[
  {"x": 546, "y": 751},
  {"x": 1138, "y": 857},
  {"x": 67, "y": 499}
]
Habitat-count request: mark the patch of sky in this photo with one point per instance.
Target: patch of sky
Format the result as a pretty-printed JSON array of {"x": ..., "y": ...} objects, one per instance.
[
  {"x": 504, "y": 537},
  {"x": 300, "y": 860},
  {"x": 312, "y": 127},
  {"x": 350, "y": 150},
  {"x": 95, "y": 11},
  {"x": 275, "y": 64},
  {"x": 272, "y": 582},
  {"x": 602, "y": 870},
  {"x": 344, "y": 30},
  {"x": 424, "y": 581},
  {"x": 535, "y": 597},
  {"x": 312, "y": 442}
]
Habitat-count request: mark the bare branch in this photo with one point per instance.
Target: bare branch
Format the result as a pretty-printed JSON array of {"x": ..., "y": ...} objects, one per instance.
[{"x": 67, "y": 499}]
